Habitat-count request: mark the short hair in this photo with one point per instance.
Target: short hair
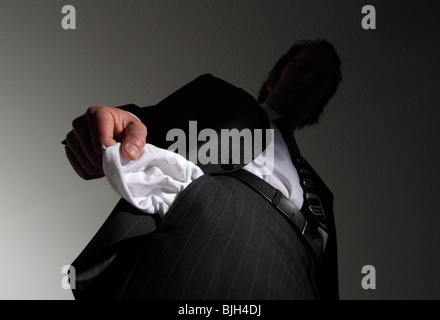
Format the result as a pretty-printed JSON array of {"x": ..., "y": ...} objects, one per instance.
[{"x": 275, "y": 74}]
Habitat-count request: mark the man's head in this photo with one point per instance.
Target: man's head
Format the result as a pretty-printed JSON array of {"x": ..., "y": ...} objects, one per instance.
[{"x": 303, "y": 81}]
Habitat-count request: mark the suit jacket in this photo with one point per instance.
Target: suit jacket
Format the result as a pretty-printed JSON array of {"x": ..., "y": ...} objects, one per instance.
[{"x": 214, "y": 104}]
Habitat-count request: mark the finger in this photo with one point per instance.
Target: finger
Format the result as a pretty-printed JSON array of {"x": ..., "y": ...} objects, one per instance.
[
  {"x": 81, "y": 144},
  {"x": 80, "y": 160},
  {"x": 77, "y": 166},
  {"x": 102, "y": 125},
  {"x": 135, "y": 135}
]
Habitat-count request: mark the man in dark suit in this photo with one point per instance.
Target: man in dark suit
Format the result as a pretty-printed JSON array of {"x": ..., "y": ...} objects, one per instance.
[{"x": 233, "y": 233}]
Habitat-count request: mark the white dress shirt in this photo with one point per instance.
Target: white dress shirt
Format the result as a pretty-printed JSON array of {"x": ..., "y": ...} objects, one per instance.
[{"x": 284, "y": 175}]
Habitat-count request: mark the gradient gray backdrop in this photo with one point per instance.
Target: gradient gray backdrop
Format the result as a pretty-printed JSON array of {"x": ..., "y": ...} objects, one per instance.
[{"x": 377, "y": 145}]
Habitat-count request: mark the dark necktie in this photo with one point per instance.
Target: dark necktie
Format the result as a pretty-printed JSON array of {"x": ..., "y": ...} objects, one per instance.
[{"x": 312, "y": 202}]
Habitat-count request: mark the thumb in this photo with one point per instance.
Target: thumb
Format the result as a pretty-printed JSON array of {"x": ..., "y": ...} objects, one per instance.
[{"x": 135, "y": 134}]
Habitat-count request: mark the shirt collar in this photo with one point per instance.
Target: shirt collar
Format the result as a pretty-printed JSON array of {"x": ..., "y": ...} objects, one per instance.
[{"x": 271, "y": 113}]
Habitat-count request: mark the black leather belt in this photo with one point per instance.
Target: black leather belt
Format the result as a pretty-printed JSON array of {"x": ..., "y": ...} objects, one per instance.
[{"x": 287, "y": 208}]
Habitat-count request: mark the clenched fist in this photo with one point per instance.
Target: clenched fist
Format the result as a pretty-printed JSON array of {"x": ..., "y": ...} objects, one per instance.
[{"x": 102, "y": 126}]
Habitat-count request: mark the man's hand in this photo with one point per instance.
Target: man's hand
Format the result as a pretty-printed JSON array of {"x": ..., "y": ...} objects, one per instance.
[{"x": 102, "y": 126}]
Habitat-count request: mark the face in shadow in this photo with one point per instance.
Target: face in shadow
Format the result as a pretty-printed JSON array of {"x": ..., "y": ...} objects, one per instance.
[{"x": 302, "y": 84}]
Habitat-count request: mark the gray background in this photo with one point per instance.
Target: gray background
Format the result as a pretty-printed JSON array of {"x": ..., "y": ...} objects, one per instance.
[{"x": 377, "y": 145}]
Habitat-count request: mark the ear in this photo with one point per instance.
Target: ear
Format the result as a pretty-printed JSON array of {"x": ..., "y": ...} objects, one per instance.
[{"x": 269, "y": 83}]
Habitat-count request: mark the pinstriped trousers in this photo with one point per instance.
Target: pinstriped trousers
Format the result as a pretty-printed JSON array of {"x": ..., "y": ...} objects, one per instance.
[{"x": 221, "y": 240}]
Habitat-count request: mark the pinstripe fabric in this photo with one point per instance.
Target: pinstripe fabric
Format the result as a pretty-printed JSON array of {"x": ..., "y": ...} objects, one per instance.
[
  {"x": 221, "y": 240},
  {"x": 124, "y": 222}
]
